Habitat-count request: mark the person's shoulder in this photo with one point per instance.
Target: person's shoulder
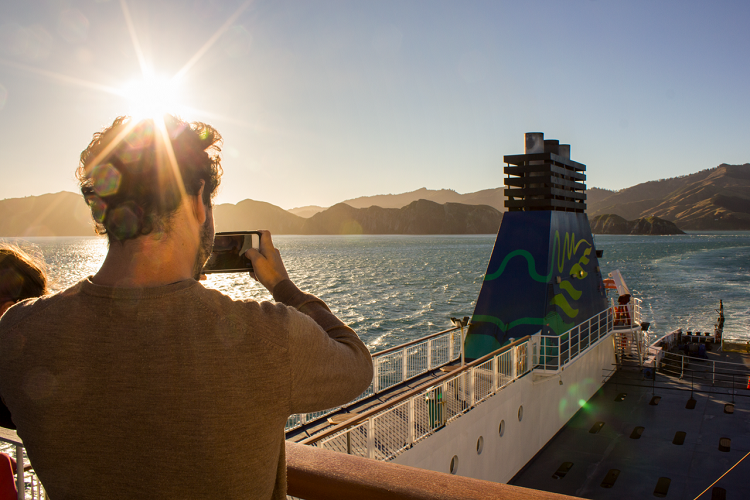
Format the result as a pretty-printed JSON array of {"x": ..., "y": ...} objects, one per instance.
[
  {"x": 270, "y": 320},
  {"x": 219, "y": 301},
  {"x": 28, "y": 308}
]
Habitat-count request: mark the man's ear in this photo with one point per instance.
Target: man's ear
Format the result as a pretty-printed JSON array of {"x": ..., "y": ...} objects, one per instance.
[{"x": 199, "y": 209}]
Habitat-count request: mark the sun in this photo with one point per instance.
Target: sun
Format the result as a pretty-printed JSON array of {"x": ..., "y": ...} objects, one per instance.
[{"x": 153, "y": 97}]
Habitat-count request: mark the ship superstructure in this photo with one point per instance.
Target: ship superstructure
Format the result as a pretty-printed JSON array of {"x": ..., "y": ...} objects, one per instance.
[{"x": 539, "y": 344}]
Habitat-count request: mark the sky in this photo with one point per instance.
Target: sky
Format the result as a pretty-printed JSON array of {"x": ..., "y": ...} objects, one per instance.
[{"x": 322, "y": 101}]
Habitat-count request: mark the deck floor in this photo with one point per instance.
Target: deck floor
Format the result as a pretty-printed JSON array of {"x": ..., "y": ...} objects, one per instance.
[{"x": 690, "y": 467}]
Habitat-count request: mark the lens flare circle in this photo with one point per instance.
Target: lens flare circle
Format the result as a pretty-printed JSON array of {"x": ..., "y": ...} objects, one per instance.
[{"x": 153, "y": 97}]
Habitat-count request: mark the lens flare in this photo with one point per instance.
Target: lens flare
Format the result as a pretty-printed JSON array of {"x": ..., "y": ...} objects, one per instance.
[
  {"x": 107, "y": 180},
  {"x": 153, "y": 97}
]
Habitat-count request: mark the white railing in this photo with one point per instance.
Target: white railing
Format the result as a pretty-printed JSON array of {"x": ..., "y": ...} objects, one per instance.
[
  {"x": 718, "y": 372},
  {"x": 27, "y": 483},
  {"x": 554, "y": 352},
  {"x": 415, "y": 416},
  {"x": 399, "y": 364}
]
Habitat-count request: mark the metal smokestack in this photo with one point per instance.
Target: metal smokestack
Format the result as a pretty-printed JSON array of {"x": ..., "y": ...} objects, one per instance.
[
  {"x": 534, "y": 142},
  {"x": 564, "y": 151},
  {"x": 551, "y": 146}
]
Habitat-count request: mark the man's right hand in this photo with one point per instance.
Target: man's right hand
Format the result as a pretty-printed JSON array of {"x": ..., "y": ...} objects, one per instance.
[{"x": 268, "y": 268}]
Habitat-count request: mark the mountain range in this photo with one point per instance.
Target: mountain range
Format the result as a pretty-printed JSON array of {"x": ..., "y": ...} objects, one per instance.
[
  {"x": 712, "y": 199},
  {"x": 491, "y": 197}
]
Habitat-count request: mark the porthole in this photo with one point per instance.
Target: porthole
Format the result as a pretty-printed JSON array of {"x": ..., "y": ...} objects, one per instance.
[
  {"x": 520, "y": 413},
  {"x": 480, "y": 445},
  {"x": 454, "y": 464},
  {"x": 501, "y": 429}
]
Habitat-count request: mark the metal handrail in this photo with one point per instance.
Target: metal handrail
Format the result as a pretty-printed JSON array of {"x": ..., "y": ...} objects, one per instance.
[
  {"x": 356, "y": 419},
  {"x": 319, "y": 474},
  {"x": 545, "y": 358},
  {"x": 413, "y": 342},
  {"x": 444, "y": 353}
]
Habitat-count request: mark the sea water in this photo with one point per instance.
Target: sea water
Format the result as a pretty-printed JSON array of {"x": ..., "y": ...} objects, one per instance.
[{"x": 395, "y": 288}]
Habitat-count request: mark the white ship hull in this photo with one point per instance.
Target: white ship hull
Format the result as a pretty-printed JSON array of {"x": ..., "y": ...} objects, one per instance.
[{"x": 544, "y": 406}]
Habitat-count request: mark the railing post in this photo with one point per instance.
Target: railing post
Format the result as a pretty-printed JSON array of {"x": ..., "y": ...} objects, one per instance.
[
  {"x": 471, "y": 387},
  {"x": 682, "y": 366},
  {"x": 495, "y": 364},
  {"x": 514, "y": 363},
  {"x": 713, "y": 372},
  {"x": 376, "y": 376},
  {"x": 410, "y": 421},
  {"x": 429, "y": 354},
  {"x": 529, "y": 364},
  {"x": 405, "y": 367},
  {"x": 371, "y": 437},
  {"x": 450, "y": 347},
  {"x": 20, "y": 486}
]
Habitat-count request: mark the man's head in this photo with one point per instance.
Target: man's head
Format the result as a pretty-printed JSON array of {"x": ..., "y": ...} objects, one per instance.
[{"x": 135, "y": 175}]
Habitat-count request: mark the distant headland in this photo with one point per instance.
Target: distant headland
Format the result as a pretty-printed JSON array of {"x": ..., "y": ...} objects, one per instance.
[{"x": 712, "y": 199}]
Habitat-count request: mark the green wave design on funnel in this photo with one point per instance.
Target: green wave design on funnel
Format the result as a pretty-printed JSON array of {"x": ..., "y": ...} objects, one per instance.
[
  {"x": 553, "y": 320},
  {"x": 563, "y": 304},
  {"x": 529, "y": 261},
  {"x": 563, "y": 252},
  {"x": 568, "y": 287}
]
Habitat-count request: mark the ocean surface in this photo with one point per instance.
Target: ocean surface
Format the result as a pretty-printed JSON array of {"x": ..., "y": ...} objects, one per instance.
[{"x": 392, "y": 289}]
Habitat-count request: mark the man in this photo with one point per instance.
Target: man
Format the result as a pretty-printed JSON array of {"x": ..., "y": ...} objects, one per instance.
[{"x": 138, "y": 382}]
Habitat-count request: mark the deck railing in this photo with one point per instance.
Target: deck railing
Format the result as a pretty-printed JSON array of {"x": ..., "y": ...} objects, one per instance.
[
  {"x": 399, "y": 364},
  {"x": 317, "y": 474},
  {"x": 385, "y": 433},
  {"x": 718, "y": 373},
  {"x": 554, "y": 352},
  {"x": 27, "y": 483}
]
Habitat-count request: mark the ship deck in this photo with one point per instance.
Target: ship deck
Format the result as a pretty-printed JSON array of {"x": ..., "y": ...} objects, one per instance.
[{"x": 607, "y": 461}]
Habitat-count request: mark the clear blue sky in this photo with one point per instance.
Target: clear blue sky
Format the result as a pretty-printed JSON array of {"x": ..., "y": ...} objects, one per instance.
[{"x": 319, "y": 101}]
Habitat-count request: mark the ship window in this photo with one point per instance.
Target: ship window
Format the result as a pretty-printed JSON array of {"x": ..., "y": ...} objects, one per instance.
[
  {"x": 655, "y": 400},
  {"x": 454, "y": 464},
  {"x": 662, "y": 487},
  {"x": 520, "y": 413},
  {"x": 718, "y": 493},
  {"x": 621, "y": 397},
  {"x": 501, "y": 429},
  {"x": 636, "y": 434},
  {"x": 691, "y": 404},
  {"x": 679, "y": 438},
  {"x": 562, "y": 470},
  {"x": 480, "y": 445},
  {"x": 729, "y": 408},
  {"x": 596, "y": 428},
  {"x": 725, "y": 444},
  {"x": 610, "y": 478}
]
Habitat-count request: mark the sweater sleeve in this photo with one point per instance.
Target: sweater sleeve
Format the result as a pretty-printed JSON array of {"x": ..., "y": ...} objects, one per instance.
[{"x": 329, "y": 363}]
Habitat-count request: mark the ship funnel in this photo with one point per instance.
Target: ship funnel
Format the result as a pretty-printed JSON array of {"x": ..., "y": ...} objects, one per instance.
[
  {"x": 544, "y": 272},
  {"x": 544, "y": 178},
  {"x": 534, "y": 143}
]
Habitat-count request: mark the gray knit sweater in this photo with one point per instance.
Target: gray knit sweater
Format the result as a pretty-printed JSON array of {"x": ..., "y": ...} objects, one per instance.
[{"x": 170, "y": 392}]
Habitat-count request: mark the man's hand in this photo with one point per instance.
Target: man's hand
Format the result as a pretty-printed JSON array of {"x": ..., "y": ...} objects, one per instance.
[{"x": 268, "y": 267}]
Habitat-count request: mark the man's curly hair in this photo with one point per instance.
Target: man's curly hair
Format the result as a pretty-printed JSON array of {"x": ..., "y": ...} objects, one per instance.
[{"x": 127, "y": 174}]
